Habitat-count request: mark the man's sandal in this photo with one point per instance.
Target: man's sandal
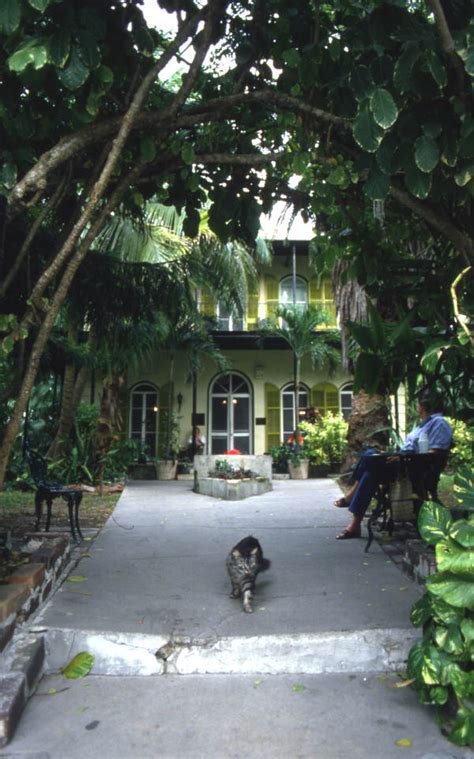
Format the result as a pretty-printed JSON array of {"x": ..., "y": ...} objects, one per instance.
[
  {"x": 341, "y": 503},
  {"x": 348, "y": 535}
]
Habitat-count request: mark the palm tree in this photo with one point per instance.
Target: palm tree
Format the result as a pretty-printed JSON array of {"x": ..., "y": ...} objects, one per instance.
[{"x": 298, "y": 328}]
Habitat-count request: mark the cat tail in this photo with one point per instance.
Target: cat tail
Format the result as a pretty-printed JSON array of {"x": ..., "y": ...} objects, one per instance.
[{"x": 266, "y": 564}]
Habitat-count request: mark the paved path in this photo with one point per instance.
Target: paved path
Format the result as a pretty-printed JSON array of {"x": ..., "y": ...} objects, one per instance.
[{"x": 156, "y": 600}]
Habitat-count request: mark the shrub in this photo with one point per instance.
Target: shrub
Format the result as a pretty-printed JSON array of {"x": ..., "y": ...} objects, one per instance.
[
  {"x": 441, "y": 664},
  {"x": 462, "y": 451},
  {"x": 325, "y": 439}
]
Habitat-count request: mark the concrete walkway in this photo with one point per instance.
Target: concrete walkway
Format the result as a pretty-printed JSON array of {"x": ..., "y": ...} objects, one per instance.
[{"x": 282, "y": 682}]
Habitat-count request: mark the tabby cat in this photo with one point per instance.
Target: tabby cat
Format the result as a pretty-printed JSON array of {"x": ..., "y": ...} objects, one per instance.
[{"x": 244, "y": 563}]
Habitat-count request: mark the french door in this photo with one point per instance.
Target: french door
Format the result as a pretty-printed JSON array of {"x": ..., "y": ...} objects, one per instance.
[{"x": 230, "y": 406}]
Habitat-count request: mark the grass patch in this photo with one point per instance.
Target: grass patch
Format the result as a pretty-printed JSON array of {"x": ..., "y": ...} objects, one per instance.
[{"x": 17, "y": 511}]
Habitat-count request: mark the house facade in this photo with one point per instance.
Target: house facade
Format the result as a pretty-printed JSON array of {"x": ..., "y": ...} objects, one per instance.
[{"x": 249, "y": 406}]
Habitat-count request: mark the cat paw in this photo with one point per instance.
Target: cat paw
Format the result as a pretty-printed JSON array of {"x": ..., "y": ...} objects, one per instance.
[{"x": 248, "y": 609}]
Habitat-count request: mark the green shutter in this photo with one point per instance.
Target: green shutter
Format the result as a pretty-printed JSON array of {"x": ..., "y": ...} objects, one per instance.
[
  {"x": 321, "y": 295},
  {"x": 208, "y": 304},
  {"x": 163, "y": 409},
  {"x": 315, "y": 291},
  {"x": 272, "y": 295},
  {"x": 272, "y": 415},
  {"x": 325, "y": 397},
  {"x": 252, "y": 311}
]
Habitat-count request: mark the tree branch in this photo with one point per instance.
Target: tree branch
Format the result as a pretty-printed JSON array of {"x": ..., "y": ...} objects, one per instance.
[{"x": 447, "y": 43}]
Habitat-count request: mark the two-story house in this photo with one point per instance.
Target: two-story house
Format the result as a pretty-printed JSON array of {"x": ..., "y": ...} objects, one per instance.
[{"x": 251, "y": 405}]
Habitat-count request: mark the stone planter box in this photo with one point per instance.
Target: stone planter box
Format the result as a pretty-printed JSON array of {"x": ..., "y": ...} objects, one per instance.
[
  {"x": 261, "y": 465},
  {"x": 232, "y": 490},
  {"x": 167, "y": 470}
]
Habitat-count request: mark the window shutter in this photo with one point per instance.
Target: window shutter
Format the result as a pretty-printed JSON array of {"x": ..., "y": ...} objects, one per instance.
[
  {"x": 325, "y": 397},
  {"x": 163, "y": 411},
  {"x": 272, "y": 295},
  {"x": 208, "y": 304},
  {"x": 252, "y": 311},
  {"x": 272, "y": 415},
  {"x": 321, "y": 296}
]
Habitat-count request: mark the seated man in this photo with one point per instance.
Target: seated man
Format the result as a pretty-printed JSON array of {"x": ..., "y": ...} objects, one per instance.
[
  {"x": 439, "y": 434},
  {"x": 196, "y": 442}
]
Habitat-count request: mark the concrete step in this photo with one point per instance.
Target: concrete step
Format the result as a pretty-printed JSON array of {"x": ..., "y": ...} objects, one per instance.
[{"x": 133, "y": 654}]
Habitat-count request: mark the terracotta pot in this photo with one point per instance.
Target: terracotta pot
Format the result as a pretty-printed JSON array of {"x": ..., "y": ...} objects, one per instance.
[
  {"x": 167, "y": 470},
  {"x": 299, "y": 471}
]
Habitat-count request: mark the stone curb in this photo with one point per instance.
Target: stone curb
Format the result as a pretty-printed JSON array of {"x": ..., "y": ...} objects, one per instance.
[
  {"x": 22, "y": 670},
  {"x": 134, "y": 654}
]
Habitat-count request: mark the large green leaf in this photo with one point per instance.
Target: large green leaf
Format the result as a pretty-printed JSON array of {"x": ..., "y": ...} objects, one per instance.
[
  {"x": 404, "y": 66},
  {"x": 39, "y": 5},
  {"x": 377, "y": 185},
  {"x": 421, "y": 611},
  {"x": 462, "y": 731},
  {"x": 432, "y": 355},
  {"x": 383, "y": 107},
  {"x": 445, "y": 613},
  {"x": 455, "y": 589},
  {"x": 361, "y": 82},
  {"x": 464, "y": 175},
  {"x": 75, "y": 73},
  {"x": 417, "y": 182},
  {"x": 449, "y": 639},
  {"x": 451, "y": 557},
  {"x": 426, "y": 153},
  {"x": 79, "y": 667},
  {"x": 434, "y": 521},
  {"x": 467, "y": 629},
  {"x": 450, "y": 149},
  {"x": 10, "y": 15},
  {"x": 437, "y": 68},
  {"x": 366, "y": 132},
  {"x": 59, "y": 45},
  {"x": 469, "y": 61},
  {"x": 32, "y": 52},
  {"x": 462, "y": 532}
]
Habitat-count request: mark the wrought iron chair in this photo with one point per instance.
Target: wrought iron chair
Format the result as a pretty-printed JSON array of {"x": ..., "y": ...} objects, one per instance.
[{"x": 47, "y": 490}]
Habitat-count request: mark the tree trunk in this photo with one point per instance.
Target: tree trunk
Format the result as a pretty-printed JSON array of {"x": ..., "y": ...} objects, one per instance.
[
  {"x": 369, "y": 414},
  {"x": 106, "y": 424},
  {"x": 73, "y": 387}
]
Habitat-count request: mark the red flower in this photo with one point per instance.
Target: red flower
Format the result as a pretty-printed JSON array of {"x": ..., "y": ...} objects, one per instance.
[
  {"x": 232, "y": 452},
  {"x": 292, "y": 440}
]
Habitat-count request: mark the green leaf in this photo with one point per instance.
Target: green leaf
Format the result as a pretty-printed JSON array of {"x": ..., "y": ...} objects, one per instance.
[
  {"x": 462, "y": 732},
  {"x": 292, "y": 58},
  {"x": 451, "y": 558},
  {"x": 383, "y": 108},
  {"x": 59, "y": 45},
  {"x": 377, "y": 185},
  {"x": 187, "y": 153},
  {"x": 76, "y": 578},
  {"x": 298, "y": 688},
  {"x": 426, "y": 153},
  {"x": 10, "y": 16},
  {"x": 418, "y": 183},
  {"x": 449, "y": 639},
  {"x": 421, "y": 611},
  {"x": 79, "y": 667},
  {"x": 32, "y": 52},
  {"x": 105, "y": 76},
  {"x": 463, "y": 532},
  {"x": 432, "y": 129},
  {"x": 8, "y": 175},
  {"x": 75, "y": 73},
  {"x": 437, "y": 69},
  {"x": 361, "y": 82},
  {"x": 433, "y": 353},
  {"x": 368, "y": 373},
  {"x": 469, "y": 62},
  {"x": 445, "y": 613},
  {"x": 455, "y": 589},
  {"x": 147, "y": 149},
  {"x": 464, "y": 175},
  {"x": 87, "y": 49},
  {"x": 39, "y": 5},
  {"x": 462, "y": 682},
  {"x": 339, "y": 177},
  {"x": 449, "y": 154},
  {"x": 434, "y": 522},
  {"x": 467, "y": 629},
  {"x": 404, "y": 66},
  {"x": 366, "y": 132}
]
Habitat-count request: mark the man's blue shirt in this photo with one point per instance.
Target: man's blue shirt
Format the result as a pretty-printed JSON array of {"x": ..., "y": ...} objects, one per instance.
[{"x": 438, "y": 430}]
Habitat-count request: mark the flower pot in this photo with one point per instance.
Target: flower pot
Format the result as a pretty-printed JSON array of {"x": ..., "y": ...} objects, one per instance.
[
  {"x": 300, "y": 470},
  {"x": 167, "y": 470}
]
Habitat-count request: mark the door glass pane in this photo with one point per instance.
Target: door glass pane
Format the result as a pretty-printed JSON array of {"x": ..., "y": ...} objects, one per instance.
[
  {"x": 242, "y": 443},
  {"x": 137, "y": 420},
  {"x": 221, "y": 385},
  {"x": 239, "y": 385},
  {"x": 219, "y": 445},
  {"x": 219, "y": 414},
  {"x": 241, "y": 414}
]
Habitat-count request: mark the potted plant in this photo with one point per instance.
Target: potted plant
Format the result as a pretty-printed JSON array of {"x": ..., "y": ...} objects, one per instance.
[
  {"x": 280, "y": 455},
  {"x": 298, "y": 463}
]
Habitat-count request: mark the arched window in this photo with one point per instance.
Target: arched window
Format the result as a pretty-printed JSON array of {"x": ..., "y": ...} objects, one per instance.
[
  {"x": 228, "y": 320},
  {"x": 143, "y": 417},
  {"x": 230, "y": 414},
  {"x": 297, "y": 295},
  {"x": 345, "y": 399},
  {"x": 288, "y": 408}
]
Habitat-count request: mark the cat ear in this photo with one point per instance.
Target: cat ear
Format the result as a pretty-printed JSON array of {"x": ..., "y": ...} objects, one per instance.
[
  {"x": 236, "y": 554},
  {"x": 254, "y": 551}
]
